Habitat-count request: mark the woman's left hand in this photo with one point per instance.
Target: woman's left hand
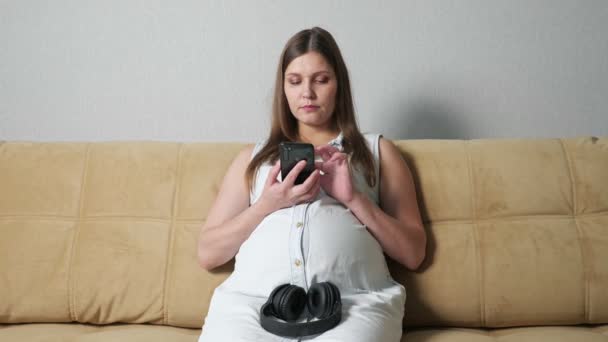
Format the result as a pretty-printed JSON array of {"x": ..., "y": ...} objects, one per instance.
[{"x": 336, "y": 180}]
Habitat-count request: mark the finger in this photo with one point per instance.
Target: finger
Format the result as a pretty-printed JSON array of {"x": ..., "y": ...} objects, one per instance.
[
  {"x": 293, "y": 174},
  {"x": 335, "y": 159},
  {"x": 325, "y": 155},
  {"x": 326, "y": 151},
  {"x": 317, "y": 189},
  {"x": 314, "y": 191},
  {"x": 338, "y": 156},
  {"x": 273, "y": 173},
  {"x": 327, "y": 148},
  {"x": 308, "y": 184},
  {"x": 317, "y": 185},
  {"x": 320, "y": 166}
]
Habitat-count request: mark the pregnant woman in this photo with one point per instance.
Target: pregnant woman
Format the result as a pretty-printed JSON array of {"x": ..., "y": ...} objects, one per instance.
[{"x": 335, "y": 228}]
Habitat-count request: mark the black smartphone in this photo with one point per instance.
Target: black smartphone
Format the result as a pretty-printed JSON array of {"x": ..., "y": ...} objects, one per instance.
[{"x": 291, "y": 153}]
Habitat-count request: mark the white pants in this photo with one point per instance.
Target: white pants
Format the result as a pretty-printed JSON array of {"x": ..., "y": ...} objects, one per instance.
[{"x": 365, "y": 318}]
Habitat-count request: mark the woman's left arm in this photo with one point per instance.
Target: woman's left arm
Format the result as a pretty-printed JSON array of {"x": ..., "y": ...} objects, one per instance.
[{"x": 396, "y": 224}]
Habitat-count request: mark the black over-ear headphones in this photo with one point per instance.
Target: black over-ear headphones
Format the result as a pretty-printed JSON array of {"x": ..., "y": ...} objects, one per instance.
[{"x": 288, "y": 301}]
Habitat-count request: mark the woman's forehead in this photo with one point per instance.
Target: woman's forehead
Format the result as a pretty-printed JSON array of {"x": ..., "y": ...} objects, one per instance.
[{"x": 309, "y": 63}]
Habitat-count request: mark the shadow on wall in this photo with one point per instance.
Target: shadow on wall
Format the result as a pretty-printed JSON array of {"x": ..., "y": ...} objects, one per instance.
[{"x": 425, "y": 117}]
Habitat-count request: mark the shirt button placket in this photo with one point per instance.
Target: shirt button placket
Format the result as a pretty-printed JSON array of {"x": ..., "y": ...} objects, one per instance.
[{"x": 295, "y": 245}]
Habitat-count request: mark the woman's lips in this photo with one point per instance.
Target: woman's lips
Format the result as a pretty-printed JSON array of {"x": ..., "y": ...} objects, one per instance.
[{"x": 310, "y": 108}]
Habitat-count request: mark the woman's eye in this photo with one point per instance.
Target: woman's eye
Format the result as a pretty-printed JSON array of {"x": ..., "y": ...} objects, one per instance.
[
  {"x": 294, "y": 82},
  {"x": 322, "y": 80}
]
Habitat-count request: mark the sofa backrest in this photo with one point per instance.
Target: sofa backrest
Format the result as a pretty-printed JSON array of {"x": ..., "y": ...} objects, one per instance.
[
  {"x": 518, "y": 232},
  {"x": 105, "y": 232}
]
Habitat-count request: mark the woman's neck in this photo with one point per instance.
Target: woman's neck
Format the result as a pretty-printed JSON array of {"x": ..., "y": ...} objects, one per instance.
[{"x": 317, "y": 138}]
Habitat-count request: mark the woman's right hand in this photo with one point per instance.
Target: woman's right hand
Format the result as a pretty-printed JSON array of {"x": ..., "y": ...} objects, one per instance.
[{"x": 277, "y": 195}]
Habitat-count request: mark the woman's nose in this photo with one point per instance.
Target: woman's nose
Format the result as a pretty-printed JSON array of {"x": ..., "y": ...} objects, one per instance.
[{"x": 307, "y": 92}]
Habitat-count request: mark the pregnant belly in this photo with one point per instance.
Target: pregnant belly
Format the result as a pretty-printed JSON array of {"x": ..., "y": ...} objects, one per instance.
[
  {"x": 340, "y": 249},
  {"x": 336, "y": 247},
  {"x": 263, "y": 261}
]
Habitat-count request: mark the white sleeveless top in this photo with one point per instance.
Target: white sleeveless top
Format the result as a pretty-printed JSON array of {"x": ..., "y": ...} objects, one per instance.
[
  {"x": 312, "y": 242},
  {"x": 302, "y": 245}
]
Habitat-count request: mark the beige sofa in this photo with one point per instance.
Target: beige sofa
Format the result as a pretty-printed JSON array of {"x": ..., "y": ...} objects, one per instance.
[{"x": 98, "y": 240}]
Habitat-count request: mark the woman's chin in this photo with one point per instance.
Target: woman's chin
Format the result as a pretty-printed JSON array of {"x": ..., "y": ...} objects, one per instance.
[{"x": 312, "y": 118}]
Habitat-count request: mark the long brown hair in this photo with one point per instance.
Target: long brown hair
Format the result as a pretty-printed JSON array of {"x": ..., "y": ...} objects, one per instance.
[{"x": 284, "y": 126}]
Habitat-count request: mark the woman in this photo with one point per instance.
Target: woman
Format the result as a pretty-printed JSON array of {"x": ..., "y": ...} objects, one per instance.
[{"x": 358, "y": 204}]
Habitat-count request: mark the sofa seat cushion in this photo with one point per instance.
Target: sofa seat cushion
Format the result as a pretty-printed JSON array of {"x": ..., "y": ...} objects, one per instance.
[
  {"x": 591, "y": 333},
  {"x": 76, "y": 332}
]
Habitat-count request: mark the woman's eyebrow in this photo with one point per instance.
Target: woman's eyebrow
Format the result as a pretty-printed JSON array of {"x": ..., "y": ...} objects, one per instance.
[{"x": 314, "y": 74}]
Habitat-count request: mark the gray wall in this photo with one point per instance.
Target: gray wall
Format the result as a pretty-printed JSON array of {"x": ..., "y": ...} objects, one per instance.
[{"x": 203, "y": 70}]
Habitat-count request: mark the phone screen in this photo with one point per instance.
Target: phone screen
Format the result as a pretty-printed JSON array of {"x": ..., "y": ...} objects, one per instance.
[{"x": 291, "y": 153}]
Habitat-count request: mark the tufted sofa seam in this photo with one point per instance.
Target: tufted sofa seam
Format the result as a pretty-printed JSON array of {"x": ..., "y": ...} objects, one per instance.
[
  {"x": 482, "y": 305},
  {"x": 510, "y": 218},
  {"x": 579, "y": 234},
  {"x": 165, "y": 287},
  {"x": 71, "y": 281},
  {"x": 200, "y": 220},
  {"x": 117, "y": 218}
]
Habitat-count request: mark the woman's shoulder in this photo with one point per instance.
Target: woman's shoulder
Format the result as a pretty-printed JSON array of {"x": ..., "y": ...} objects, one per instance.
[
  {"x": 388, "y": 147},
  {"x": 250, "y": 149},
  {"x": 373, "y": 140},
  {"x": 372, "y": 136},
  {"x": 383, "y": 148},
  {"x": 246, "y": 151},
  {"x": 243, "y": 157}
]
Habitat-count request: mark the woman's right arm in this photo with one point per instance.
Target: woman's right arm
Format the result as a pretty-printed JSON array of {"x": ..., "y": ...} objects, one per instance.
[{"x": 231, "y": 220}]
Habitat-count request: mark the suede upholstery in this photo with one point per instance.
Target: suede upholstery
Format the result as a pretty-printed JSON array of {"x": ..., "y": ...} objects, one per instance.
[{"x": 98, "y": 239}]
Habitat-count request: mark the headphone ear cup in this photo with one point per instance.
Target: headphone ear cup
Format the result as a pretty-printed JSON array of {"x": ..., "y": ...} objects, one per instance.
[
  {"x": 288, "y": 302},
  {"x": 273, "y": 298},
  {"x": 322, "y": 298}
]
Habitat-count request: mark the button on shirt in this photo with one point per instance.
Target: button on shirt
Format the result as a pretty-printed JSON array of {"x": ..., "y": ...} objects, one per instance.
[{"x": 296, "y": 253}]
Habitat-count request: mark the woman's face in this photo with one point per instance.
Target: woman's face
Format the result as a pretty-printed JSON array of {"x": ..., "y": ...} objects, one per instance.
[{"x": 310, "y": 87}]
